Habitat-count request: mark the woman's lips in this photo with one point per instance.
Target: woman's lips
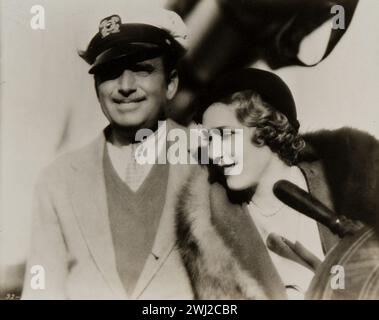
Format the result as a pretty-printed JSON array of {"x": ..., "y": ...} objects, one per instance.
[
  {"x": 228, "y": 167},
  {"x": 225, "y": 166}
]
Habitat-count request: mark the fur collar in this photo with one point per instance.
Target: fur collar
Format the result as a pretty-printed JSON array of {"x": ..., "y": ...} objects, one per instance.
[{"x": 203, "y": 250}]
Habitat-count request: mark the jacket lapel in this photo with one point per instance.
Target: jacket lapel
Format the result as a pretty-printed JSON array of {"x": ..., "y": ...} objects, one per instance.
[
  {"x": 165, "y": 239},
  {"x": 89, "y": 202}
]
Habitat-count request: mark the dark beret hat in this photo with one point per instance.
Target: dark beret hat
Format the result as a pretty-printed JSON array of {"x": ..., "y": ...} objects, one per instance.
[{"x": 270, "y": 87}]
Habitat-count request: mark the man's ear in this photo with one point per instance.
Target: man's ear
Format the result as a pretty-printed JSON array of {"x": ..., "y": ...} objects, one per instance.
[{"x": 172, "y": 84}]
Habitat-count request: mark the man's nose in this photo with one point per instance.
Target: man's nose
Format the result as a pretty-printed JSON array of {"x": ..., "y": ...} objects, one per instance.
[{"x": 127, "y": 83}]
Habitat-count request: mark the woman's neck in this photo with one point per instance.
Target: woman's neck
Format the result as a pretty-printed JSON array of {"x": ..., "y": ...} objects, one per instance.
[{"x": 275, "y": 171}]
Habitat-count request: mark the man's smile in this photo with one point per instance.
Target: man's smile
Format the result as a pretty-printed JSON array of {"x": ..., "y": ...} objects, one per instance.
[{"x": 128, "y": 100}]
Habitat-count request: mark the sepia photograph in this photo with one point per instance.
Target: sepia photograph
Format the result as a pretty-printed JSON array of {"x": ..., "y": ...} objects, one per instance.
[{"x": 189, "y": 150}]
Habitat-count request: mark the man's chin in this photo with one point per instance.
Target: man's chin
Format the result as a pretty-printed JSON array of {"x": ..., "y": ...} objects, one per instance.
[
  {"x": 131, "y": 127},
  {"x": 127, "y": 126}
]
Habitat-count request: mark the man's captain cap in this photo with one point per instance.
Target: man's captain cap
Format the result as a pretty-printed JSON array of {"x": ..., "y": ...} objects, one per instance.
[{"x": 131, "y": 33}]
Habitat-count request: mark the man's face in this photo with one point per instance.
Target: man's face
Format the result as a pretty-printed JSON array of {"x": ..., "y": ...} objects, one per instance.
[
  {"x": 134, "y": 96},
  {"x": 254, "y": 160}
]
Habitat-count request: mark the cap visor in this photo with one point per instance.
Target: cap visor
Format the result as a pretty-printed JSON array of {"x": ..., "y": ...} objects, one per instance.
[{"x": 127, "y": 54}]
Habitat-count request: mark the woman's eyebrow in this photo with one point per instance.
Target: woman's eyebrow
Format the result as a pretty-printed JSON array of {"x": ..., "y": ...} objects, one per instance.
[
  {"x": 226, "y": 129},
  {"x": 223, "y": 128}
]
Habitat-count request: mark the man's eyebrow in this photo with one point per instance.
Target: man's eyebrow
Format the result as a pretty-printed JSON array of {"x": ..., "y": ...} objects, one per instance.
[{"x": 144, "y": 64}]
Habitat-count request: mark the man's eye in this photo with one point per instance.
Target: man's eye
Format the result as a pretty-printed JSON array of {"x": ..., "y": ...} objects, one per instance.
[
  {"x": 143, "y": 70},
  {"x": 108, "y": 74}
]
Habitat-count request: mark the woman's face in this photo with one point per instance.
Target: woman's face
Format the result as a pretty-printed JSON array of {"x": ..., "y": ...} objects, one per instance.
[{"x": 251, "y": 159}]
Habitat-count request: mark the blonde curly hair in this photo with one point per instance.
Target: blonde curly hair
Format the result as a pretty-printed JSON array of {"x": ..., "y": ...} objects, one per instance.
[{"x": 272, "y": 127}]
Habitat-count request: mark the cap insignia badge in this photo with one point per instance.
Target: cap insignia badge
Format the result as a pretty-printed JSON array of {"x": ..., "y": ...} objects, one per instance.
[{"x": 110, "y": 25}]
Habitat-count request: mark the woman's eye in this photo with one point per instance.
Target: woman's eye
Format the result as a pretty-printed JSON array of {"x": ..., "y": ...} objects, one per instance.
[{"x": 227, "y": 133}]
